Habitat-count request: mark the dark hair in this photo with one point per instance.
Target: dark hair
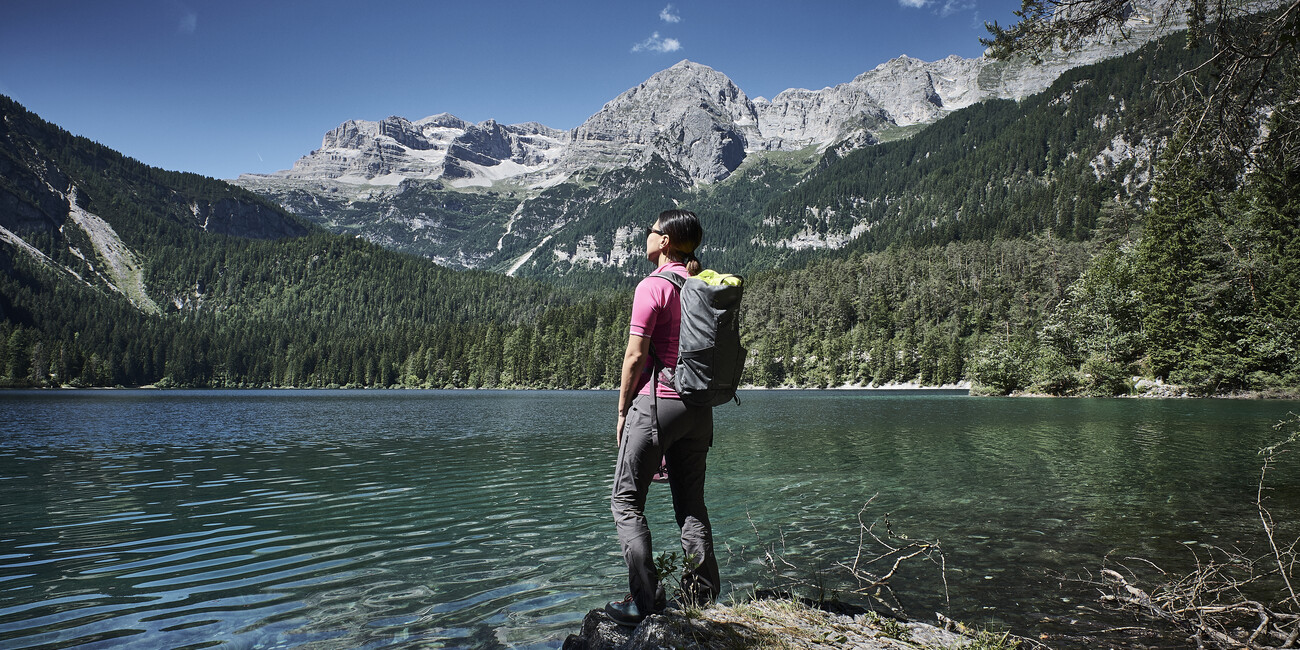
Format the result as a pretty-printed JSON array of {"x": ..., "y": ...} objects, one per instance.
[{"x": 684, "y": 235}]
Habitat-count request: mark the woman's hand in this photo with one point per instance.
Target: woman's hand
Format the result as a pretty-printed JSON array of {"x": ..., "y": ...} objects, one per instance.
[{"x": 618, "y": 433}]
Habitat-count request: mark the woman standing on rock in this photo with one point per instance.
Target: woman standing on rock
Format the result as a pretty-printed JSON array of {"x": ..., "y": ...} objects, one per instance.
[{"x": 653, "y": 423}]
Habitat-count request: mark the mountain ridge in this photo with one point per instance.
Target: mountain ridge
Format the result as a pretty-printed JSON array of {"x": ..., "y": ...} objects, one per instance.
[
  {"x": 689, "y": 114},
  {"x": 76, "y": 207}
]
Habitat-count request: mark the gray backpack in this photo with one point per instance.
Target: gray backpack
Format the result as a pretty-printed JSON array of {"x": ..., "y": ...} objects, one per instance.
[{"x": 710, "y": 358}]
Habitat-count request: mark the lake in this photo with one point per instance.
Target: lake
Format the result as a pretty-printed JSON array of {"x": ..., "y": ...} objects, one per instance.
[{"x": 480, "y": 519}]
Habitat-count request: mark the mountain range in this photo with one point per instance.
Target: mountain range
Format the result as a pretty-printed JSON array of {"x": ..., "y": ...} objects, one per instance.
[
  {"x": 523, "y": 198},
  {"x": 1010, "y": 242},
  {"x": 690, "y": 115}
]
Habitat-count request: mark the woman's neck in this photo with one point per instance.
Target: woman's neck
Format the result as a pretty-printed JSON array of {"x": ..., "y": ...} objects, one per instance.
[{"x": 665, "y": 259}]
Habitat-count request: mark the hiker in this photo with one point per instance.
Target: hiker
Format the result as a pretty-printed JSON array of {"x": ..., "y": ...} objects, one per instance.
[{"x": 654, "y": 423}]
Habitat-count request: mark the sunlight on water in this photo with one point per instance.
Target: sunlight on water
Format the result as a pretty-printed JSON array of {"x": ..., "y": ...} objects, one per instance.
[{"x": 400, "y": 519}]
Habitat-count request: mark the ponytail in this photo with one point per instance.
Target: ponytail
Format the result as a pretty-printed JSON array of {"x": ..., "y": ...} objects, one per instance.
[{"x": 693, "y": 265}]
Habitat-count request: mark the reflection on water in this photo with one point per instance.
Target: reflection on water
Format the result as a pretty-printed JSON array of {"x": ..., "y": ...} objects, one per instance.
[{"x": 350, "y": 519}]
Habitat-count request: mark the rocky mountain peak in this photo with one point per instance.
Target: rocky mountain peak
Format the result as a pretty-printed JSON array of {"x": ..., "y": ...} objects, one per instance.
[
  {"x": 694, "y": 118},
  {"x": 684, "y": 85},
  {"x": 440, "y": 146},
  {"x": 444, "y": 120},
  {"x": 690, "y": 115}
]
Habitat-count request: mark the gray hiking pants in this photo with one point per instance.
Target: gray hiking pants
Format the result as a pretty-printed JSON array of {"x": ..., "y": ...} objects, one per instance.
[{"x": 684, "y": 436}]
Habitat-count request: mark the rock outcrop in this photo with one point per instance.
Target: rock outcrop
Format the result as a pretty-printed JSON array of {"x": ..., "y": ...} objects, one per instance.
[
  {"x": 762, "y": 623},
  {"x": 440, "y": 146},
  {"x": 245, "y": 219},
  {"x": 689, "y": 114}
]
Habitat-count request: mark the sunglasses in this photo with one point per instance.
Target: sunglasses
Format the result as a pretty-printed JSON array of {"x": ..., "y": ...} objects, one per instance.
[{"x": 652, "y": 229}]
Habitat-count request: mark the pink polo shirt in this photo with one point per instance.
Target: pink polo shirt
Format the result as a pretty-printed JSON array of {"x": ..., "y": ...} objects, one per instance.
[{"x": 657, "y": 314}]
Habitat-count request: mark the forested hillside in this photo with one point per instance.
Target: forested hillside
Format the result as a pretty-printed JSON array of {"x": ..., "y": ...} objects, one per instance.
[
  {"x": 1003, "y": 169},
  {"x": 314, "y": 309},
  {"x": 1188, "y": 246},
  {"x": 1065, "y": 244},
  {"x": 993, "y": 170},
  {"x": 263, "y": 300},
  {"x": 906, "y": 314}
]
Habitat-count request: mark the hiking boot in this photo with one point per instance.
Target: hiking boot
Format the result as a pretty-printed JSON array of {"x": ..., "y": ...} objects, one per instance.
[{"x": 625, "y": 612}]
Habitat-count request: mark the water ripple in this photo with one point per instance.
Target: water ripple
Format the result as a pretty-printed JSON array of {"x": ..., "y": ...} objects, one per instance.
[{"x": 377, "y": 519}]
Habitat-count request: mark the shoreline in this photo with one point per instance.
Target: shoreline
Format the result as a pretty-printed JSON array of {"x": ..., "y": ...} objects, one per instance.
[
  {"x": 893, "y": 386},
  {"x": 778, "y": 622},
  {"x": 1148, "y": 389}
]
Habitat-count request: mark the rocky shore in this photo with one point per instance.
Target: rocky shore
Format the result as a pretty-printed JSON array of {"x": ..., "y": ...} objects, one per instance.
[{"x": 763, "y": 623}]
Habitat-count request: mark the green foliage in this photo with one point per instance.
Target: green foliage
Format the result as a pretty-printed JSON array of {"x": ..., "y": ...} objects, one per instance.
[
  {"x": 1219, "y": 262},
  {"x": 1205, "y": 293},
  {"x": 1003, "y": 365},
  {"x": 1093, "y": 341},
  {"x": 1206, "y": 297},
  {"x": 1169, "y": 264},
  {"x": 889, "y": 627},
  {"x": 1040, "y": 26},
  {"x": 986, "y": 640},
  {"x": 672, "y": 569},
  {"x": 1103, "y": 377},
  {"x": 1054, "y": 373},
  {"x": 899, "y": 315},
  {"x": 328, "y": 312}
]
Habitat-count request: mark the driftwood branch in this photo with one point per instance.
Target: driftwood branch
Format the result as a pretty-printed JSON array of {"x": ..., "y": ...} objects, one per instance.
[
  {"x": 876, "y": 561},
  {"x": 1210, "y": 622},
  {"x": 895, "y": 554},
  {"x": 1219, "y": 602}
]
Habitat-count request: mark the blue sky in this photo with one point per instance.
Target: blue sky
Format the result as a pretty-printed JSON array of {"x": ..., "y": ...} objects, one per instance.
[{"x": 232, "y": 86}]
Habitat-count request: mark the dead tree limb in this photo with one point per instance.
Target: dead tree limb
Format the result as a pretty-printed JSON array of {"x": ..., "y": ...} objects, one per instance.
[
  {"x": 1219, "y": 602},
  {"x": 874, "y": 549}
]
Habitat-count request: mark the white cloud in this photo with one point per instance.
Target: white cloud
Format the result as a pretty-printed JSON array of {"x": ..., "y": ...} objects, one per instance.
[
  {"x": 945, "y": 7},
  {"x": 657, "y": 43},
  {"x": 953, "y": 6},
  {"x": 670, "y": 15},
  {"x": 189, "y": 23}
]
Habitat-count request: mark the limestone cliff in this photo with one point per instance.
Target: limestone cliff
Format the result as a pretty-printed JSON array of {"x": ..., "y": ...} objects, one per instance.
[{"x": 694, "y": 117}]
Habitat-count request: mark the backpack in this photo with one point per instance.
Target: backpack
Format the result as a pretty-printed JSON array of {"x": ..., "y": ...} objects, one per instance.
[{"x": 709, "y": 355}]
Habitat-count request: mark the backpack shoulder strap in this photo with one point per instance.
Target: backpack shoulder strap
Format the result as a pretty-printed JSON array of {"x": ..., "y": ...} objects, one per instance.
[
  {"x": 659, "y": 367},
  {"x": 677, "y": 280}
]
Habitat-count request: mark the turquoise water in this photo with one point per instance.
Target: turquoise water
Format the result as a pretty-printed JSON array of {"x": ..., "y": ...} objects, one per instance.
[{"x": 480, "y": 519}]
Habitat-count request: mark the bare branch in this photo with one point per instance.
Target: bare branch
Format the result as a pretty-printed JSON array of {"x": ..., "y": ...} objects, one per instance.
[
  {"x": 1246, "y": 42},
  {"x": 1218, "y": 601},
  {"x": 889, "y": 549}
]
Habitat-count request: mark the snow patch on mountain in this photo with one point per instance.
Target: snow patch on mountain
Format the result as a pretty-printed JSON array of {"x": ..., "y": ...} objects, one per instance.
[{"x": 443, "y": 146}]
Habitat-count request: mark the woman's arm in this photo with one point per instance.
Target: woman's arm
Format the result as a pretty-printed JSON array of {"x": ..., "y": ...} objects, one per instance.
[{"x": 634, "y": 360}]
